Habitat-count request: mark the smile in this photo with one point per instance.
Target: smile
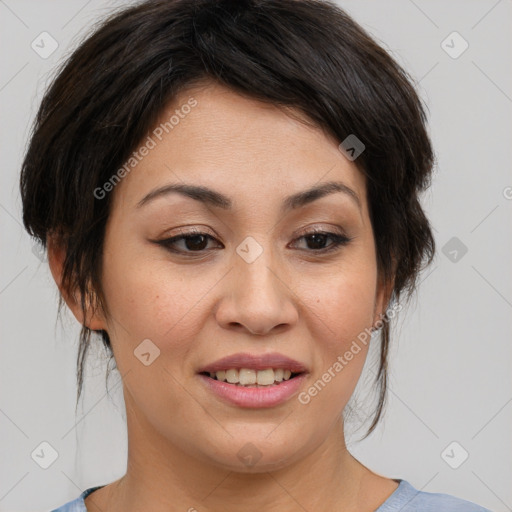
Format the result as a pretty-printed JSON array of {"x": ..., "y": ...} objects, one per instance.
[
  {"x": 253, "y": 378},
  {"x": 254, "y": 395}
]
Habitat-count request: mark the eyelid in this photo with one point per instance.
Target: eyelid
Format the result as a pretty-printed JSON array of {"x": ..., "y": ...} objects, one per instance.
[
  {"x": 191, "y": 231},
  {"x": 309, "y": 230}
]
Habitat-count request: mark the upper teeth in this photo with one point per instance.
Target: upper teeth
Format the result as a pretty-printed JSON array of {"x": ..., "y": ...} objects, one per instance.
[{"x": 246, "y": 376}]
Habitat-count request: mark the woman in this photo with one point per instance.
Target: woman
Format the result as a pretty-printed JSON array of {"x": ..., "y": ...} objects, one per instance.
[{"x": 229, "y": 196}]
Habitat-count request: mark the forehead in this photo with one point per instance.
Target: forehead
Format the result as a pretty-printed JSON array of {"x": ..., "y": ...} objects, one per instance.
[{"x": 212, "y": 136}]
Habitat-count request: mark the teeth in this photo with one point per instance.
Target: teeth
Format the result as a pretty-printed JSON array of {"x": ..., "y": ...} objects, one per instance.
[
  {"x": 265, "y": 377},
  {"x": 232, "y": 376},
  {"x": 249, "y": 377}
]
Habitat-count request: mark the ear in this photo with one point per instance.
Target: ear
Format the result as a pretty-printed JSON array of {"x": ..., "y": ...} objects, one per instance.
[
  {"x": 382, "y": 298},
  {"x": 56, "y": 255}
]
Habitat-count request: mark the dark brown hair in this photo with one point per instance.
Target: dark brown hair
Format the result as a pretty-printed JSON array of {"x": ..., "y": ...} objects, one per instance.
[{"x": 307, "y": 55}]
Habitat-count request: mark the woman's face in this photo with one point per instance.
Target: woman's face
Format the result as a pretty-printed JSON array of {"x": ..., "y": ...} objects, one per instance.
[{"x": 257, "y": 282}]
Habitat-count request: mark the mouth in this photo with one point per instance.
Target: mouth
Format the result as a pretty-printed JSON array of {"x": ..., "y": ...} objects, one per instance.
[
  {"x": 250, "y": 378},
  {"x": 251, "y": 389},
  {"x": 254, "y": 380}
]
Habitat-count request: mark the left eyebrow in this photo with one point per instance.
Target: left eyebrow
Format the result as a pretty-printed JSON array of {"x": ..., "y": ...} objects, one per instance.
[
  {"x": 318, "y": 191},
  {"x": 214, "y": 198}
]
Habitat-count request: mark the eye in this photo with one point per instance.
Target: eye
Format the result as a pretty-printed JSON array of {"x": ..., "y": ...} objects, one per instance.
[
  {"x": 192, "y": 241},
  {"x": 316, "y": 240},
  {"x": 197, "y": 242}
]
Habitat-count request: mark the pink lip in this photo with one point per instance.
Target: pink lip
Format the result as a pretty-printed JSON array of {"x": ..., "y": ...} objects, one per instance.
[
  {"x": 254, "y": 397},
  {"x": 255, "y": 362}
]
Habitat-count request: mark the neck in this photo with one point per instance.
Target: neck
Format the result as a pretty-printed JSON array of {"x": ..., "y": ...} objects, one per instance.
[{"x": 162, "y": 477}]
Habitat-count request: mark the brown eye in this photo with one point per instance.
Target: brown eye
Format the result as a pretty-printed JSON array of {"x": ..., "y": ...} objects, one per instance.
[
  {"x": 196, "y": 242},
  {"x": 316, "y": 241},
  {"x": 187, "y": 242}
]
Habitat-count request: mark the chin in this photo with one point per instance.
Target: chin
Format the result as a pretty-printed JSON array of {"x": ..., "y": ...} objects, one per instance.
[{"x": 253, "y": 454}]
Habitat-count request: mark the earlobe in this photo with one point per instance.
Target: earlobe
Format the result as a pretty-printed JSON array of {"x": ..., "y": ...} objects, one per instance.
[
  {"x": 382, "y": 299},
  {"x": 56, "y": 258}
]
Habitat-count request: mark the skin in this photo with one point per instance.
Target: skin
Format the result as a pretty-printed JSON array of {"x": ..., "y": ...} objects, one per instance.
[{"x": 183, "y": 441}]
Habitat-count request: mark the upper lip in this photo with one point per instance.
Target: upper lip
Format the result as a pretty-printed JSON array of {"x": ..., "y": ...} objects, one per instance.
[{"x": 255, "y": 362}]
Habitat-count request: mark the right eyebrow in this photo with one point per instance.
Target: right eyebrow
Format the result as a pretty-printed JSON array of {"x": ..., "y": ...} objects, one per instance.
[{"x": 199, "y": 193}]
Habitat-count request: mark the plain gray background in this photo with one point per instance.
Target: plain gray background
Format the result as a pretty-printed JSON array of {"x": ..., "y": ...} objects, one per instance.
[{"x": 451, "y": 356}]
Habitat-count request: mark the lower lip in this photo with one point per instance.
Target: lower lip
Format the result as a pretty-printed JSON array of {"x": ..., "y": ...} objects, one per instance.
[{"x": 255, "y": 397}]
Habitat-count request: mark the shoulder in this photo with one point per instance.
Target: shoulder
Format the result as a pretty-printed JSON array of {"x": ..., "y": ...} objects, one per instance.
[
  {"x": 77, "y": 505},
  {"x": 408, "y": 499}
]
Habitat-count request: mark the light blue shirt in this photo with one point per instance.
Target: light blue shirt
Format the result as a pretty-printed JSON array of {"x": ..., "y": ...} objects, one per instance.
[{"x": 405, "y": 499}]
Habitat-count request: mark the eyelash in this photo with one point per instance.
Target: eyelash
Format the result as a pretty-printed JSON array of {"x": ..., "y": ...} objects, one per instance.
[{"x": 338, "y": 241}]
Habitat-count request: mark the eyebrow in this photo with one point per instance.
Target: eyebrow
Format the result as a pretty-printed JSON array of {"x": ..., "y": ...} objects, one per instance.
[{"x": 214, "y": 198}]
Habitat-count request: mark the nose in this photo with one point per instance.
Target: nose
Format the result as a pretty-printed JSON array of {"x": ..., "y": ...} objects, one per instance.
[{"x": 257, "y": 298}]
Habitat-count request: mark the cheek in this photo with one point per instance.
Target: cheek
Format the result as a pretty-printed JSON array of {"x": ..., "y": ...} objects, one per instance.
[
  {"x": 148, "y": 300},
  {"x": 146, "y": 303},
  {"x": 341, "y": 313},
  {"x": 343, "y": 302}
]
